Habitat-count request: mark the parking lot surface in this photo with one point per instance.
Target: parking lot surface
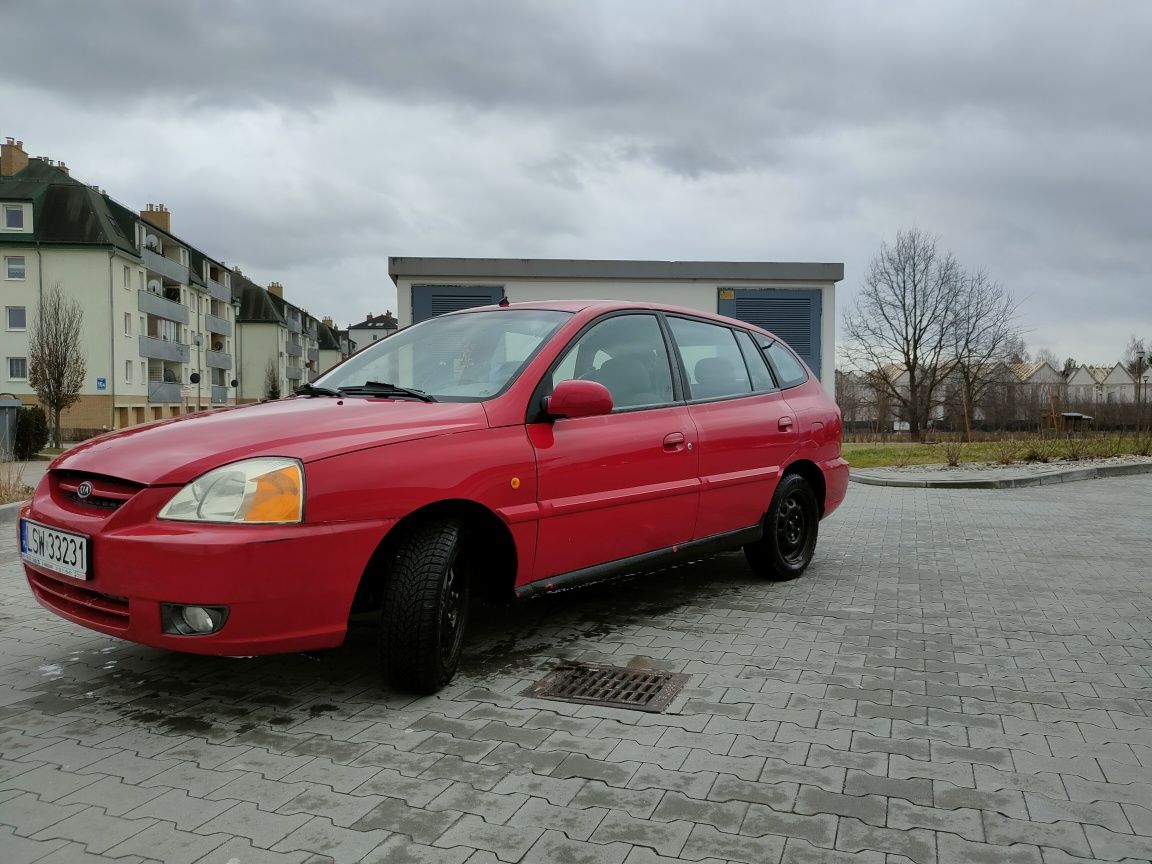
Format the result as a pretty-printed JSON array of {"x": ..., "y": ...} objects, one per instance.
[{"x": 962, "y": 676}]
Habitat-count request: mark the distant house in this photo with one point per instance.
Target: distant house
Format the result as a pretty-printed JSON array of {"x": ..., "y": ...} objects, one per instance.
[
  {"x": 373, "y": 328},
  {"x": 1118, "y": 384},
  {"x": 335, "y": 345},
  {"x": 1085, "y": 385}
]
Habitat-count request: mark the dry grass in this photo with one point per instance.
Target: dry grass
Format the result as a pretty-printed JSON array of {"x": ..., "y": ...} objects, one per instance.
[
  {"x": 12, "y": 485},
  {"x": 1004, "y": 451}
]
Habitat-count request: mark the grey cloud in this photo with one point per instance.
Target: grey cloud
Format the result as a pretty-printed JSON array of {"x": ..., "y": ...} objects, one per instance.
[
  {"x": 697, "y": 93},
  {"x": 1018, "y": 131}
]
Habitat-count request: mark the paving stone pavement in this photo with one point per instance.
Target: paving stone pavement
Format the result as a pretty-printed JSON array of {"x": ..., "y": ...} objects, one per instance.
[{"x": 962, "y": 676}]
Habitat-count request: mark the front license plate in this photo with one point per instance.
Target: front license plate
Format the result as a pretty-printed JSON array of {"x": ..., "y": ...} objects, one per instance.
[{"x": 59, "y": 551}]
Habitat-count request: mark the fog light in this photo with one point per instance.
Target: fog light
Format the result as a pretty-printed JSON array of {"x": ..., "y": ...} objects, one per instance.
[{"x": 192, "y": 620}]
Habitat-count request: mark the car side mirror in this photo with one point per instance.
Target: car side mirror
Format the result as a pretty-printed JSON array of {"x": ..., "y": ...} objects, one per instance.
[{"x": 574, "y": 398}]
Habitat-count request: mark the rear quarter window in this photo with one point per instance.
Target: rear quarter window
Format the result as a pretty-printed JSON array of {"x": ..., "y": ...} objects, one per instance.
[{"x": 790, "y": 371}]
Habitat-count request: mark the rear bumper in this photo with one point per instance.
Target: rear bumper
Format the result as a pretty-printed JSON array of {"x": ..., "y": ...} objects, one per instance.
[
  {"x": 287, "y": 587},
  {"x": 836, "y": 483}
]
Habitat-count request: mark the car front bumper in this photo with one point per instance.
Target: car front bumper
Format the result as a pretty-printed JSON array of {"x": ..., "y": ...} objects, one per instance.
[{"x": 287, "y": 587}]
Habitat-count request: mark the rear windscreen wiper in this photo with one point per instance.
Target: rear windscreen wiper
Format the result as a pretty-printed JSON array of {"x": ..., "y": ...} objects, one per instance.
[
  {"x": 313, "y": 390},
  {"x": 381, "y": 388}
]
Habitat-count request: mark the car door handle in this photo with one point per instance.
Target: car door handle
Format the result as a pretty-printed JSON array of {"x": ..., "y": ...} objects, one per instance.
[
  {"x": 784, "y": 424},
  {"x": 673, "y": 441}
]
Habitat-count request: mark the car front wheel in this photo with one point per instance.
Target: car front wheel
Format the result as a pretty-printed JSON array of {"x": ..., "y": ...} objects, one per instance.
[
  {"x": 790, "y": 530},
  {"x": 425, "y": 608}
]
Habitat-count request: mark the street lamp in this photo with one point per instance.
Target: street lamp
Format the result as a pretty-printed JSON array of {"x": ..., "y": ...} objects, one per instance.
[
  {"x": 1140, "y": 355},
  {"x": 197, "y": 339}
]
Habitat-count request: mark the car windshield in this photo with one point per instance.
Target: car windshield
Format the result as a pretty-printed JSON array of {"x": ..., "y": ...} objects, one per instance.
[{"x": 463, "y": 357}]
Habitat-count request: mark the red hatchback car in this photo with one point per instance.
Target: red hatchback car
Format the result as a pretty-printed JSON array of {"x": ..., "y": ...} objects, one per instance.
[{"x": 500, "y": 451}]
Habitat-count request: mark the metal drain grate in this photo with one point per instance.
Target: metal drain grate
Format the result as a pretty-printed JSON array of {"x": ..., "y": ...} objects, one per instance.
[{"x": 638, "y": 689}]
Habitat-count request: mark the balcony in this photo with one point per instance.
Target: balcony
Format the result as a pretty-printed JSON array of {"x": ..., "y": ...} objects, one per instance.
[
  {"x": 313, "y": 354},
  {"x": 154, "y": 304},
  {"x": 165, "y": 391},
  {"x": 218, "y": 325},
  {"x": 217, "y": 360},
  {"x": 162, "y": 349},
  {"x": 218, "y": 291},
  {"x": 293, "y": 373},
  {"x": 293, "y": 326},
  {"x": 293, "y": 350},
  {"x": 157, "y": 263},
  {"x": 219, "y": 394}
]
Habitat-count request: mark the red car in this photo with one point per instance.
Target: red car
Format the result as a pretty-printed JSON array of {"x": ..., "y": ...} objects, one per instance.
[{"x": 501, "y": 451}]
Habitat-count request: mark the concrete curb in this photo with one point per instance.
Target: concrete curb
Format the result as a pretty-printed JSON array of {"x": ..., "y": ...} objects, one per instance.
[
  {"x": 1069, "y": 475},
  {"x": 10, "y": 512}
]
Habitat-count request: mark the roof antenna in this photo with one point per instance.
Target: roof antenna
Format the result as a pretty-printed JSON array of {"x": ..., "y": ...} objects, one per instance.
[{"x": 504, "y": 300}]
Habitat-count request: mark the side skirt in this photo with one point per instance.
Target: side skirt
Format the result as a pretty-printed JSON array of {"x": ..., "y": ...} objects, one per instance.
[{"x": 640, "y": 563}]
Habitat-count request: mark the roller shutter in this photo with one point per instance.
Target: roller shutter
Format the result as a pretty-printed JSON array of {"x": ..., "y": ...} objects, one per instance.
[
  {"x": 794, "y": 316},
  {"x": 428, "y": 301}
]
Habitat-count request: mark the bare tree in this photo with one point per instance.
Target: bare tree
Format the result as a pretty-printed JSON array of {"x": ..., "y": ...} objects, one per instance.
[
  {"x": 1047, "y": 355},
  {"x": 56, "y": 361},
  {"x": 900, "y": 330},
  {"x": 271, "y": 381},
  {"x": 984, "y": 334},
  {"x": 1132, "y": 351},
  {"x": 1016, "y": 350}
]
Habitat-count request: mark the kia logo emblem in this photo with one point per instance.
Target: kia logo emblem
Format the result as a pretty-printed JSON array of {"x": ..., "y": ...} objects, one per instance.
[{"x": 84, "y": 490}]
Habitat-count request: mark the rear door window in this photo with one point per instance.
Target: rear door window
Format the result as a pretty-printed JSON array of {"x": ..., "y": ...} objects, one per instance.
[
  {"x": 762, "y": 379},
  {"x": 711, "y": 359}
]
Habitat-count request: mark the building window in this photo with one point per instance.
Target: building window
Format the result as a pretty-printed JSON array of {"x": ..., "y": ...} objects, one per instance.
[
  {"x": 128, "y": 371},
  {"x": 127, "y": 276},
  {"x": 14, "y": 267},
  {"x": 17, "y": 318},
  {"x": 127, "y": 323},
  {"x": 14, "y": 217},
  {"x": 18, "y": 368}
]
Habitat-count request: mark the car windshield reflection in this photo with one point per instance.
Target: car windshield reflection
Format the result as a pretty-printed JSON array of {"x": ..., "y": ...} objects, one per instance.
[{"x": 463, "y": 357}]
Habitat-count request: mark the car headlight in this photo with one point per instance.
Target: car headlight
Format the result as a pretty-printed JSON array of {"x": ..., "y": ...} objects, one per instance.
[{"x": 265, "y": 490}]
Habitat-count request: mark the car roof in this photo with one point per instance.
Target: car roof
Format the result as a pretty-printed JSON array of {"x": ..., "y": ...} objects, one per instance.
[{"x": 598, "y": 306}]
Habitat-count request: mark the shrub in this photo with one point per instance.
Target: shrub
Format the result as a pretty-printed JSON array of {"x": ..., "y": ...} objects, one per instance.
[
  {"x": 1039, "y": 450},
  {"x": 1007, "y": 450},
  {"x": 12, "y": 486},
  {"x": 902, "y": 457},
  {"x": 1076, "y": 449},
  {"x": 1109, "y": 446},
  {"x": 953, "y": 450},
  {"x": 31, "y": 432},
  {"x": 1143, "y": 445}
]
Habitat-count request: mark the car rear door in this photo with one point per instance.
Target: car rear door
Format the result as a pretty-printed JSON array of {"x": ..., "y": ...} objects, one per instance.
[
  {"x": 620, "y": 485},
  {"x": 746, "y": 429}
]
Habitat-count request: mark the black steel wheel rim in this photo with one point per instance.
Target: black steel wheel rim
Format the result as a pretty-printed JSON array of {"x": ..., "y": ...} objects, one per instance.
[
  {"x": 452, "y": 612},
  {"x": 792, "y": 529}
]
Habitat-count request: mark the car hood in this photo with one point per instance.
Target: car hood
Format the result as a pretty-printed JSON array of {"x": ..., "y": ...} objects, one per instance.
[{"x": 179, "y": 450}]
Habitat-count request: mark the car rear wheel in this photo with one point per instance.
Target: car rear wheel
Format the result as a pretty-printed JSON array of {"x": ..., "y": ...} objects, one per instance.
[
  {"x": 425, "y": 608},
  {"x": 790, "y": 531}
]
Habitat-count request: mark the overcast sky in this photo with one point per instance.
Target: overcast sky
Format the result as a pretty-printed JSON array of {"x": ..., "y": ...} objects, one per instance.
[{"x": 306, "y": 142}]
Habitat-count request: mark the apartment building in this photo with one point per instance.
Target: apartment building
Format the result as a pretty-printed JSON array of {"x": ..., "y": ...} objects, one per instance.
[{"x": 164, "y": 323}]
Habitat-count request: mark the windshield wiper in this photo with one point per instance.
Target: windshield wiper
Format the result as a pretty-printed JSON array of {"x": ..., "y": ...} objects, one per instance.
[
  {"x": 313, "y": 390},
  {"x": 381, "y": 388}
]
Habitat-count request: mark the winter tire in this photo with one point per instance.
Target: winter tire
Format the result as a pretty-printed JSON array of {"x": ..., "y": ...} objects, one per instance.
[
  {"x": 425, "y": 609},
  {"x": 790, "y": 530}
]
